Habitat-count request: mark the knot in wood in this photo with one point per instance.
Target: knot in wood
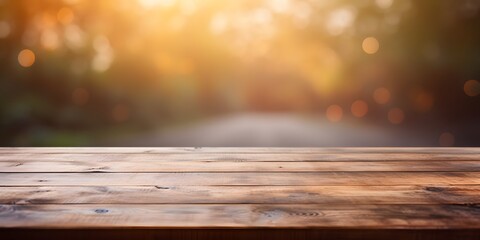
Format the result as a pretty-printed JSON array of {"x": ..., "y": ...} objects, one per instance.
[{"x": 101, "y": 210}]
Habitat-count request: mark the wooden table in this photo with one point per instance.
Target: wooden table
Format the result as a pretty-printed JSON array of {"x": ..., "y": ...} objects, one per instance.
[{"x": 239, "y": 193}]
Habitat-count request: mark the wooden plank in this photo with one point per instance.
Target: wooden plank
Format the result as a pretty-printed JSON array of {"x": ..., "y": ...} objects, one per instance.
[
  {"x": 235, "y": 188},
  {"x": 238, "y": 157},
  {"x": 431, "y": 194},
  {"x": 242, "y": 216},
  {"x": 247, "y": 178},
  {"x": 226, "y": 150},
  {"x": 95, "y": 165}
]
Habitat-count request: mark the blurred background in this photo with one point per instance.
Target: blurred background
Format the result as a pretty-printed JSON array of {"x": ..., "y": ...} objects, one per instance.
[{"x": 240, "y": 73}]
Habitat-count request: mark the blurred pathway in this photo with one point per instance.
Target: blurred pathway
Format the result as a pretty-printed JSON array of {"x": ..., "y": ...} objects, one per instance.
[{"x": 274, "y": 130}]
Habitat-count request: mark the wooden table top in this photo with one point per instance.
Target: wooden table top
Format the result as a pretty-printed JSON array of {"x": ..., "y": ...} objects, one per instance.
[{"x": 241, "y": 188}]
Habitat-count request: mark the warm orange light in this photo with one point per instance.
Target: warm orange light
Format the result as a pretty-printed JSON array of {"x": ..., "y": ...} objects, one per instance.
[
  {"x": 65, "y": 16},
  {"x": 156, "y": 3},
  {"x": 359, "y": 108},
  {"x": 446, "y": 139},
  {"x": 471, "y": 88},
  {"x": 334, "y": 113},
  {"x": 26, "y": 58},
  {"x": 396, "y": 115},
  {"x": 370, "y": 45},
  {"x": 381, "y": 95},
  {"x": 384, "y": 4}
]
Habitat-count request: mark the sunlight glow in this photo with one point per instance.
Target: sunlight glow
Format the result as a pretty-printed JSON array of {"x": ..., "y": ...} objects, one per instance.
[
  {"x": 104, "y": 54},
  {"x": 384, "y": 4},
  {"x": 339, "y": 20},
  {"x": 65, "y": 15},
  {"x": 156, "y": 3}
]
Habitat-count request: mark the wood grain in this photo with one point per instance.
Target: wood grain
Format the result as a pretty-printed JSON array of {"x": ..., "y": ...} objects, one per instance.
[
  {"x": 232, "y": 179},
  {"x": 95, "y": 165},
  {"x": 241, "y": 216},
  {"x": 429, "y": 194},
  {"x": 239, "y": 157}
]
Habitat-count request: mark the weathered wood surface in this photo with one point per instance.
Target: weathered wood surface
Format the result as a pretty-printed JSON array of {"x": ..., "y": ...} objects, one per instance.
[
  {"x": 414, "y": 194},
  {"x": 239, "y": 179},
  {"x": 244, "y": 215},
  {"x": 325, "y": 189},
  {"x": 135, "y": 166}
]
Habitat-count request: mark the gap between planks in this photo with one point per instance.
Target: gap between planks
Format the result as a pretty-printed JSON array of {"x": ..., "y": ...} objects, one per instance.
[
  {"x": 238, "y": 157},
  {"x": 258, "y": 179}
]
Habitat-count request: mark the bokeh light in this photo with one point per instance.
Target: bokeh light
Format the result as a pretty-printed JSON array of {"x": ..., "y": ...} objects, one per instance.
[
  {"x": 396, "y": 115},
  {"x": 446, "y": 139},
  {"x": 26, "y": 58},
  {"x": 334, "y": 113},
  {"x": 381, "y": 95},
  {"x": 471, "y": 88},
  {"x": 384, "y": 4},
  {"x": 4, "y": 29},
  {"x": 65, "y": 16},
  {"x": 370, "y": 45},
  {"x": 359, "y": 108},
  {"x": 151, "y": 65}
]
